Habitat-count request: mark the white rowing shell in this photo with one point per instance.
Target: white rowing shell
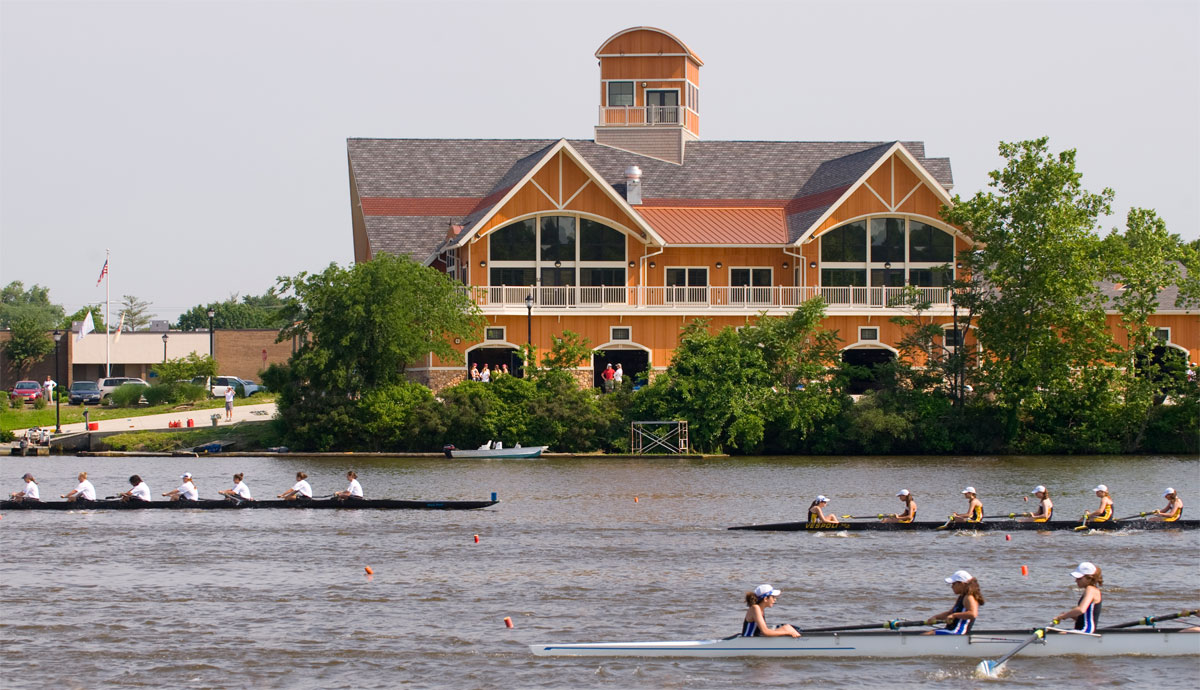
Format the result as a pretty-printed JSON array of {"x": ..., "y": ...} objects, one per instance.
[{"x": 983, "y": 644}]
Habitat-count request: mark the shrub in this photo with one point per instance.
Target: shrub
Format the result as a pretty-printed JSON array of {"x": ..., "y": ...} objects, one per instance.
[
  {"x": 39, "y": 403},
  {"x": 15, "y": 402},
  {"x": 128, "y": 395},
  {"x": 173, "y": 393}
]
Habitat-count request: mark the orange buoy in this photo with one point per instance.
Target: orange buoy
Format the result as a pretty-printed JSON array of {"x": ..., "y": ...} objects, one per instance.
[
  {"x": 508, "y": 622},
  {"x": 476, "y": 538},
  {"x": 1008, "y": 537},
  {"x": 635, "y": 499},
  {"x": 1024, "y": 570},
  {"x": 368, "y": 569}
]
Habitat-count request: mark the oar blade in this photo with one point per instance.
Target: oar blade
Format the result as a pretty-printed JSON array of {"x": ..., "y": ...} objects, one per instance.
[{"x": 988, "y": 669}]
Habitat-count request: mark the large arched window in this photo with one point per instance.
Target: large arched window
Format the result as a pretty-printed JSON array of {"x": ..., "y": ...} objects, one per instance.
[
  {"x": 557, "y": 250},
  {"x": 887, "y": 252}
]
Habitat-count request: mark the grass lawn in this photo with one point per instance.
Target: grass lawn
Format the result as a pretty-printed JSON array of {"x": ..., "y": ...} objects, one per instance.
[
  {"x": 26, "y": 416},
  {"x": 249, "y": 436}
]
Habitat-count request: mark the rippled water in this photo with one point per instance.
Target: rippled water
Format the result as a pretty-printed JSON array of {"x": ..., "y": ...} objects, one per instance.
[{"x": 280, "y": 598}]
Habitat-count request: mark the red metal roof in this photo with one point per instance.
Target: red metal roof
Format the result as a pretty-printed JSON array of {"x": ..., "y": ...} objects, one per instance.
[{"x": 721, "y": 226}]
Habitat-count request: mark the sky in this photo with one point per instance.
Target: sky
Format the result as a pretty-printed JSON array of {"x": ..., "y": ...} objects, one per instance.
[{"x": 204, "y": 143}]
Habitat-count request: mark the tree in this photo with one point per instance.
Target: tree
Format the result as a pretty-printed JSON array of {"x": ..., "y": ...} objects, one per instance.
[
  {"x": 185, "y": 368},
  {"x": 566, "y": 352},
  {"x": 29, "y": 342},
  {"x": 262, "y": 311},
  {"x": 16, "y": 302},
  {"x": 135, "y": 313},
  {"x": 81, "y": 314},
  {"x": 1040, "y": 318}
]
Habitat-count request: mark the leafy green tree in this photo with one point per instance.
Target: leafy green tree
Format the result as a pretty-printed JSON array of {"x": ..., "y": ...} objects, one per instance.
[
  {"x": 261, "y": 311},
  {"x": 1041, "y": 320},
  {"x": 29, "y": 343},
  {"x": 566, "y": 352},
  {"x": 402, "y": 417},
  {"x": 185, "y": 368},
  {"x": 135, "y": 313},
  {"x": 81, "y": 314},
  {"x": 33, "y": 304}
]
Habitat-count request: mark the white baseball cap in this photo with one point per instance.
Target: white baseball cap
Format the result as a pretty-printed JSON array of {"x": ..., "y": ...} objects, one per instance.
[
  {"x": 903, "y": 492},
  {"x": 186, "y": 475},
  {"x": 763, "y": 591},
  {"x": 1084, "y": 568},
  {"x": 1039, "y": 489},
  {"x": 969, "y": 490},
  {"x": 822, "y": 499},
  {"x": 1168, "y": 491},
  {"x": 1101, "y": 487},
  {"x": 959, "y": 576}
]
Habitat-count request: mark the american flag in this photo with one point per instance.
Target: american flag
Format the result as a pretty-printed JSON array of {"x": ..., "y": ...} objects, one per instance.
[{"x": 103, "y": 272}]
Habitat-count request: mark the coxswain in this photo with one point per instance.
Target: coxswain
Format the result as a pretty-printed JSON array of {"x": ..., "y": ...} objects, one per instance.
[
  {"x": 239, "y": 490},
  {"x": 754, "y": 624},
  {"x": 1087, "y": 612},
  {"x": 961, "y": 617},
  {"x": 300, "y": 491},
  {"x": 910, "y": 508},
  {"x": 1105, "y": 511},
  {"x": 1173, "y": 510},
  {"x": 974, "y": 507},
  {"x": 83, "y": 492},
  {"x": 1045, "y": 506},
  {"x": 817, "y": 516},
  {"x": 139, "y": 492},
  {"x": 186, "y": 491},
  {"x": 29, "y": 494},
  {"x": 353, "y": 491}
]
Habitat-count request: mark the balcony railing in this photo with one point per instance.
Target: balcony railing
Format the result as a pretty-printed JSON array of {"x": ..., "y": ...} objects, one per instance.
[
  {"x": 646, "y": 115},
  {"x": 693, "y": 298}
]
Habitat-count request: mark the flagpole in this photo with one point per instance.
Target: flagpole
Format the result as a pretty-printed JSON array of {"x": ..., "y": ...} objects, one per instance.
[{"x": 107, "y": 318}]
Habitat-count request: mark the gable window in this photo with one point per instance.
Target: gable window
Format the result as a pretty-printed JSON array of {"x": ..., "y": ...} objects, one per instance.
[
  {"x": 620, "y": 93},
  {"x": 558, "y": 238},
  {"x": 598, "y": 242},
  {"x": 512, "y": 276},
  {"x": 931, "y": 277},
  {"x": 516, "y": 242},
  {"x": 847, "y": 243},
  {"x": 887, "y": 240},
  {"x": 843, "y": 277},
  {"x": 927, "y": 243},
  {"x": 886, "y": 252}
]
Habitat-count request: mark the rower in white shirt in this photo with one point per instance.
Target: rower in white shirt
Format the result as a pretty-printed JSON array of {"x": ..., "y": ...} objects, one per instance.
[
  {"x": 354, "y": 490},
  {"x": 299, "y": 491},
  {"x": 84, "y": 492},
  {"x": 29, "y": 493},
  {"x": 186, "y": 491},
  {"x": 139, "y": 492},
  {"x": 239, "y": 490}
]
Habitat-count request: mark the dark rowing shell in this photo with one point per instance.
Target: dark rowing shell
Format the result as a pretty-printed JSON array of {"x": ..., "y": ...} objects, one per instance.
[
  {"x": 205, "y": 504},
  {"x": 989, "y": 526}
]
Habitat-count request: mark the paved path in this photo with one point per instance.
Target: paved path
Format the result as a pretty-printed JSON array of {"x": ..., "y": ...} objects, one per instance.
[{"x": 200, "y": 418}]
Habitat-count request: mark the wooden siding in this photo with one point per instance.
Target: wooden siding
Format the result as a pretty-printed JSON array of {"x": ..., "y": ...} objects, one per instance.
[
  {"x": 643, "y": 68},
  {"x": 642, "y": 41},
  {"x": 741, "y": 257},
  {"x": 892, "y": 183}
]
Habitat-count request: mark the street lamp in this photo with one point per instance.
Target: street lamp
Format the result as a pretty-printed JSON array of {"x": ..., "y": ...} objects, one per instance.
[
  {"x": 211, "y": 313},
  {"x": 164, "y": 348},
  {"x": 529, "y": 319},
  {"x": 57, "y": 394}
]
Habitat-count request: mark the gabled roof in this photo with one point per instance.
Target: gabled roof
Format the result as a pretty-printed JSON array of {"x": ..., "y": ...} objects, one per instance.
[
  {"x": 718, "y": 226},
  {"x": 422, "y": 179}
]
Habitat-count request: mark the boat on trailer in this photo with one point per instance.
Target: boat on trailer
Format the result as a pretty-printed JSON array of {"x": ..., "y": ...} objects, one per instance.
[
  {"x": 225, "y": 504},
  {"x": 989, "y": 526},
  {"x": 893, "y": 645}
]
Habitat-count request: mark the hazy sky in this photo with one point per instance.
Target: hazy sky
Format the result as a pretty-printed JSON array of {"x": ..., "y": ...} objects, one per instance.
[{"x": 204, "y": 142}]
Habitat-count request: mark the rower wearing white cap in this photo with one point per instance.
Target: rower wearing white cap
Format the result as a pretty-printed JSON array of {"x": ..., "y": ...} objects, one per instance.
[
  {"x": 817, "y": 516},
  {"x": 1087, "y": 612},
  {"x": 974, "y": 507},
  {"x": 910, "y": 508},
  {"x": 186, "y": 491},
  {"x": 1045, "y": 506},
  {"x": 29, "y": 493},
  {"x": 754, "y": 624},
  {"x": 1104, "y": 512},
  {"x": 1173, "y": 510},
  {"x": 961, "y": 617}
]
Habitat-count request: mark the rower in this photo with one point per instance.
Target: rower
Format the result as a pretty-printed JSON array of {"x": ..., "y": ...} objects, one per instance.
[
  {"x": 1045, "y": 506},
  {"x": 1087, "y": 612},
  {"x": 186, "y": 491},
  {"x": 754, "y": 624},
  {"x": 300, "y": 491},
  {"x": 1104, "y": 512},
  {"x": 1173, "y": 510},
  {"x": 139, "y": 492},
  {"x": 961, "y": 617},
  {"x": 83, "y": 492},
  {"x": 29, "y": 494},
  {"x": 817, "y": 516},
  {"x": 974, "y": 507},
  {"x": 910, "y": 510},
  {"x": 239, "y": 490},
  {"x": 353, "y": 491}
]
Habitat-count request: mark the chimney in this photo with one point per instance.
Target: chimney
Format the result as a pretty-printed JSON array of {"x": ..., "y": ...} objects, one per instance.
[{"x": 633, "y": 185}]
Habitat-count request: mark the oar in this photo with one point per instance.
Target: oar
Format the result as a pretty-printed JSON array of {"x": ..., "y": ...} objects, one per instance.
[
  {"x": 1134, "y": 517},
  {"x": 991, "y": 669},
  {"x": 890, "y": 625},
  {"x": 1006, "y": 517},
  {"x": 949, "y": 521},
  {"x": 880, "y": 516},
  {"x": 1151, "y": 620},
  {"x": 1083, "y": 525}
]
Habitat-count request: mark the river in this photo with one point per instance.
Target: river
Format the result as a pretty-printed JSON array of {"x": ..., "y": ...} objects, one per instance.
[{"x": 577, "y": 551}]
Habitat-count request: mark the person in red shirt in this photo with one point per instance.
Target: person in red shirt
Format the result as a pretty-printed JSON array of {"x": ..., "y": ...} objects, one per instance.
[{"x": 607, "y": 375}]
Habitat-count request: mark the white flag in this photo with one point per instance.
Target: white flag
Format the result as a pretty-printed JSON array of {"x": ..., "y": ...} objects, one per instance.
[
  {"x": 87, "y": 327},
  {"x": 120, "y": 326}
]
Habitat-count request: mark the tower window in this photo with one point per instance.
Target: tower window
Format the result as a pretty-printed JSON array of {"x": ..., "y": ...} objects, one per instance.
[{"x": 620, "y": 93}]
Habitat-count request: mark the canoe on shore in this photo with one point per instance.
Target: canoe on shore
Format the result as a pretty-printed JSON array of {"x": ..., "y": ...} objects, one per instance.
[
  {"x": 223, "y": 504},
  {"x": 989, "y": 526},
  {"x": 978, "y": 645}
]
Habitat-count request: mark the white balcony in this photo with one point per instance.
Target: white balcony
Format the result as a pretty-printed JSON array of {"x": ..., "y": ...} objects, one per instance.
[{"x": 692, "y": 299}]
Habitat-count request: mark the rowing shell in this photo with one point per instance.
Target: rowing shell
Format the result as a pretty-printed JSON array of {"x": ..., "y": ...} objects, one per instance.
[
  {"x": 206, "y": 504},
  {"x": 899, "y": 645},
  {"x": 990, "y": 526}
]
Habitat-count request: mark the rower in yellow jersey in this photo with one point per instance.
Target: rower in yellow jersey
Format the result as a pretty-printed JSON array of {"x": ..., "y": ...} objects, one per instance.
[
  {"x": 1173, "y": 510},
  {"x": 1045, "y": 506},
  {"x": 1105, "y": 511},
  {"x": 974, "y": 508}
]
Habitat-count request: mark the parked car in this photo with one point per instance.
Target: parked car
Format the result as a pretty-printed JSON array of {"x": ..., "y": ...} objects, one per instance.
[
  {"x": 216, "y": 385},
  {"x": 28, "y": 391},
  {"x": 84, "y": 392},
  {"x": 108, "y": 385}
]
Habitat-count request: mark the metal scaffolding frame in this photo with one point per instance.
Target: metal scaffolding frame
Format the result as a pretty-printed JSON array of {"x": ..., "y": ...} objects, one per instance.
[{"x": 670, "y": 437}]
